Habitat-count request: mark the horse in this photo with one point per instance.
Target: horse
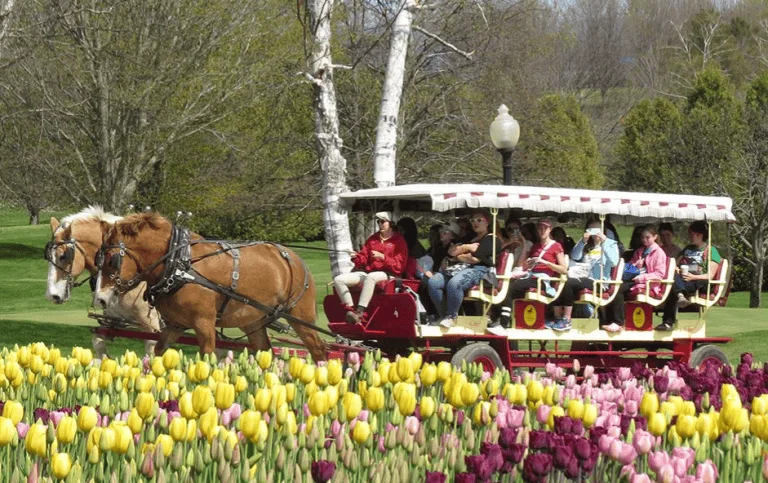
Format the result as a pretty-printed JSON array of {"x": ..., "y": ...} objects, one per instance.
[
  {"x": 75, "y": 241},
  {"x": 203, "y": 284}
]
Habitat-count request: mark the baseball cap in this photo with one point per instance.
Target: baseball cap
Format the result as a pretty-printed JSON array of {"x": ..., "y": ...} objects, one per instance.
[
  {"x": 545, "y": 222},
  {"x": 452, "y": 226},
  {"x": 384, "y": 215}
]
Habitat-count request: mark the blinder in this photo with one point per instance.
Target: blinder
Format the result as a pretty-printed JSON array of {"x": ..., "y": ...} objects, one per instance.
[{"x": 63, "y": 262}]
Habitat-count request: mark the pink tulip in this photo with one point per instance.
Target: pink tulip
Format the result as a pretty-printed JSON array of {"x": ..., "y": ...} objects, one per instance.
[
  {"x": 594, "y": 380},
  {"x": 382, "y": 448},
  {"x": 657, "y": 459},
  {"x": 570, "y": 381},
  {"x": 765, "y": 467},
  {"x": 642, "y": 441},
  {"x": 353, "y": 359},
  {"x": 306, "y": 410},
  {"x": 389, "y": 427},
  {"x": 22, "y": 429},
  {"x": 688, "y": 455},
  {"x": 412, "y": 425},
  {"x": 598, "y": 395},
  {"x": 624, "y": 373},
  {"x": 630, "y": 408},
  {"x": 614, "y": 431},
  {"x": 235, "y": 410},
  {"x": 614, "y": 451},
  {"x": 363, "y": 416},
  {"x": 604, "y": 443},
  {"x": 586, "y": 391},
  {"x": 542, "y": 413},
  {"x": 302, "y": 427},
  {"x": 678, "y": 464},
  {"x": 693, "y": 479},
  {"x": 486, "y": 375},
  {"x": 515, "y": 418},
  {"x": 627, "y": 472},
  {"x": 335, "y": 427},
  {"x": 707, "y": 472},
  {"x": 549, "y": 369},
  {"x": 588, "y": 371},
  {"x": 628, "y": 454},
  {"x": 559, "y": 373},
  {"x": 33, "y": 477},
  {"x": 666, "y": 474},
  {"x": 640, "y": 478},
  {"x": 226, "y": 417}
]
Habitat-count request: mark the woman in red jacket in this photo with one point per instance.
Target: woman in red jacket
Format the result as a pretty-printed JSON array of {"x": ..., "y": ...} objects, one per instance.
[{"x": 383, "y": 255}]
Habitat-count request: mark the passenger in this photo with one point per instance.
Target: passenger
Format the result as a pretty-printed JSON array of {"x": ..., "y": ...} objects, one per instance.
[
  {"x": 437, "y": 252},
  {"x": 407, "y": 227},
  {"x": 612, "y": 233},
  {"x": 651, "y": 262},
  {"x": 383, "y": 255},
  {"x": 515, "y": 242},
  {"x": 692, "y": 272},
  {"x": 635, "y": 242},
  {"x": 528, "y": 231},
  {"x": 667, "y": 238},
  {"x": 546, "y": 259},
  {"x": 467, "y": 233},
  {"x": 561, "y": 237},
  {"x": 467, "y": 266},
  {"x": 593, "y": 251}
]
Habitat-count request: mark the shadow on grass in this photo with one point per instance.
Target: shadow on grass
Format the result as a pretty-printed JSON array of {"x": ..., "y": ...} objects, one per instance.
[{"x": 19, "y": 251}]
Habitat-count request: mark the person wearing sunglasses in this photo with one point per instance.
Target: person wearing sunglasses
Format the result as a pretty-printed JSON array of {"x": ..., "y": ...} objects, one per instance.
[
  {"x": 515, "y": 242},
  {"x": 465, "y": 267},
  {"x": 383, "y": 255}
]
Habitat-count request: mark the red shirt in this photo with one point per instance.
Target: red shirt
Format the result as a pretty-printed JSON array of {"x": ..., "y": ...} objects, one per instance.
[
  {"x": 395, "y": 251},
  {"x": 550, "y": 256}
]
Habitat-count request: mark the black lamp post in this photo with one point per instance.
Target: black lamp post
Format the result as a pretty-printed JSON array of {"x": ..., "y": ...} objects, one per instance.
[{"x": 505, "y": 132}]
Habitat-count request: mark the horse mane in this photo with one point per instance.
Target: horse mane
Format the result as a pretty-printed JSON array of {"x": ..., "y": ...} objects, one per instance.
[
  {"x": 131, "y": 225},
  {"x": 93, "y": 212}
]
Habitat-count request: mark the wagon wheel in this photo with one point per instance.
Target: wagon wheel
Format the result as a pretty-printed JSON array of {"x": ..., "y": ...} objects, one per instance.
[
  {"x": 707, "y": 352},
  {"x": 480, "y": 353}
]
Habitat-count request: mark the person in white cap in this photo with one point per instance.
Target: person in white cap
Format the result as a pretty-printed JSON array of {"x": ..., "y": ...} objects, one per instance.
[{"x": 383, "y": 255}]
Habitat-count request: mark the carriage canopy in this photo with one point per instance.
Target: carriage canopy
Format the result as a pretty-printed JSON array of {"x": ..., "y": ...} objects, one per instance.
[{"x": 632, "y": 206}]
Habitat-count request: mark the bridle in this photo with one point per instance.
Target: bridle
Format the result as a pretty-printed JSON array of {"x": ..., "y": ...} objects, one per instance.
[
  {"x": 116, "y": 263},
  {"x": 68, "y": 259}
]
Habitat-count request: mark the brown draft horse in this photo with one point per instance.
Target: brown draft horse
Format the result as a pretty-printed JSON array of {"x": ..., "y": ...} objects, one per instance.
[
  {"x": 72, "y": 250},
  {"x": 135, "y": 247}
]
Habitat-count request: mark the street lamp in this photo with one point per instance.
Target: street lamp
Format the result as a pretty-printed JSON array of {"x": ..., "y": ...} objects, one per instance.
[{"x": 505, "y": 132}]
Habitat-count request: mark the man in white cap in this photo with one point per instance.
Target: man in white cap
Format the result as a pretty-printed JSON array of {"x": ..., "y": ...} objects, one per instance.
[{"x": 383, "y": 255}]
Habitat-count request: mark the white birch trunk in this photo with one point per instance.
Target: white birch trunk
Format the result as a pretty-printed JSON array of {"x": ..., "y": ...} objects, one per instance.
[
  {"x": 6, "y": 7},
  {"x": 328, "y": 141},
  {"x": 385, "y": 150}
]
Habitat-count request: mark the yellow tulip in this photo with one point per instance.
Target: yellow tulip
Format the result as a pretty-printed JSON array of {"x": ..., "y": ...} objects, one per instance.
[
  {"x": 290, "y": 422},
  {"x": 191, "y": 430},
  {"x": 7, "y": 431},
  {"x": 361, "y": 433},
  {"x": 110, "y": 366},
  {"x": 469, "y": 393},
  {"x": 321, "y": 376},
  {"x": 727, "y": 391},
  {"x": 374, "y": 399},
  {"x": 416, "y": 360},
  {"x": 87, "y": 418},
  {"x": 171, "y": 359},
  {"x": 535, "y": 391},
  {"x": 590, "y": 415},
  {"x": 145, "y": 383},
  {"x": 555, "y": 412},
  {"x": 123, "y": 436},
  {"x": 705, "y": 425},
  {"x": 759, "y": 405},
  {"x": 131, "y": 359},
  {"x": 85, "y": 357},
  {"x": 249, "y": 423},
  {"x": 107, "y": 439},
  {"x": 688, "y": 408},
  {"x": 742, "y": 421},
  {"x": 135, "y": 421},
  {"x": 333, "y": 396},
  {"x": 186, "y": 408},
  {"x": 263, "y": 398},
  {"x": 225, "y": 395},
  {"x": 318, "y": 403},
  {"x": 166, "y": 443},
  {"x": 426, "y": 407},
  {"x": 279, "y": 395},
  {"x": 576, "y": 409},
  {"x": 94, "y": 436},
  {"x": 65, "y": 431},
  {"x": 201, "y": 399},
  {"x": 61, "y": 464},
  {"x": 208, "y": 421},
  {"x": 307, "y": 374},
  {"x": 686, "y": 425},
  {"x": 12, "y": 370},
  {"x": 657, "y": 424},
  {"x": 353, "y": 405},
  {"x": 290, "y": 392},
  {"x": 295, "y": 366},
  {"x": 334, "y": 372},
  {"x": 649, "y": 405},
  {"x": 428, "y": 375},
  {"x": 549, "y": 395},
  {"x": 35, "y": 441},
  {"x": 158, "y": 369},
  {"x": 36, "y": 364},
  {"x": 444, "y": 371},
  {"x": 145, "y": 405},
  {"x": 14, "y": 411},
  {"x": 406, "y": 403},
  {"x": 241, "y": 384},
  {"x": 264, "y": 359},
  {"x": 263, "y": 432},
  {"x": 405, "y": 369},
  {"x": 521, "y": 394}
]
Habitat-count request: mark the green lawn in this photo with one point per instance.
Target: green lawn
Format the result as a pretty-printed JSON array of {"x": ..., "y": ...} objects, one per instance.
[{"x": 29, "y": 317}]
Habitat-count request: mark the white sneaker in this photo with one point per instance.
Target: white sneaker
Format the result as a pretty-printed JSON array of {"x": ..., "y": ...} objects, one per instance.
[
  {"x": 447, "y": 322},
  {"x": 682, "y": 302}
]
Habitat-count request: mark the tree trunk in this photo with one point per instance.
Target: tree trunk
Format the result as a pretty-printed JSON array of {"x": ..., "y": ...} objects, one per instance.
[
  {"x": 6, "y": 7},
  {"x": 328, "y": 141},
  {"x": 756, "y": 287},
  {"x": 385, "y": 149},
  {"x": 34, "y": 216}
]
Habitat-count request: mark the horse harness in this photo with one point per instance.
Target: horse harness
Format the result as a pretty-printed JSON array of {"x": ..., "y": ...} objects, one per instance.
[
  {"x": 179, "y": 270},
  {"x": 68, "y": 258}
]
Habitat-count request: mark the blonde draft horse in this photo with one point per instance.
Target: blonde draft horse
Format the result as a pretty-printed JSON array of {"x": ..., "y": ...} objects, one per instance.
[
  {"x": 72, "y": 250},
  {"x": 135, "y": 249}
]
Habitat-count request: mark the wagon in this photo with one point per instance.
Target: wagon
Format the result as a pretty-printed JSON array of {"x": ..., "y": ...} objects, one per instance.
[{"x": 393, "y": 323}]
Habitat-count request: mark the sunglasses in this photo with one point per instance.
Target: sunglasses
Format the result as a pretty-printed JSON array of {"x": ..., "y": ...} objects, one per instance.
[
  {"x": 513, "y": 229},
  {"x": 477, "y": 220},
  {"x": 382, "y": 221}
]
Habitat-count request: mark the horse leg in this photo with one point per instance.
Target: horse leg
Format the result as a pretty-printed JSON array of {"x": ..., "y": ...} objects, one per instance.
[
  {"x": 257, "y": 336},
  {"x": 206, "y": 335},
  {"x": 167, "y": 337},
  {"x": 306, "y": 311}
]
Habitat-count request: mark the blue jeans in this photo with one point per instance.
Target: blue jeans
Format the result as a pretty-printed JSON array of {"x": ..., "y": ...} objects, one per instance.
[
  {"x": 453, "y": 288},
  {"x": 426, "y": 264}
]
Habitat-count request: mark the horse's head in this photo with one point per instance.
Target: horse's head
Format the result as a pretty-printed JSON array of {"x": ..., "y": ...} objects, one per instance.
[
  {"x": 72, "y": 249},
  {"x": 129, "y": 247}
]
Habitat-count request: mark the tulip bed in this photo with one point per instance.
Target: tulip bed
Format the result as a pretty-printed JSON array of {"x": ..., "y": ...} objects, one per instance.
[{"x": 254, "y": 418}]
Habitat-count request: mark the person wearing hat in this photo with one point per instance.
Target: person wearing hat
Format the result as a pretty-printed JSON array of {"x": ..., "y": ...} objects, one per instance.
[
  {"x": 468, "y": 264},
  {"x": 437, "y": 252},
  {"x": 547, "y": 258},
  {"x": 383, "y": 255}
]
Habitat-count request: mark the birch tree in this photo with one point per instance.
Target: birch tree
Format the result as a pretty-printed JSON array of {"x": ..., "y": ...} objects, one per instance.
[{"x": 328, "y": 140}]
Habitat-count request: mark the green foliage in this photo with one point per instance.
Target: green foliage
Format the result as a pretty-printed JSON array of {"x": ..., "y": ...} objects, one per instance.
[
  {"x": 711, "y": 90},
  {"x": 560, "y": 145}
]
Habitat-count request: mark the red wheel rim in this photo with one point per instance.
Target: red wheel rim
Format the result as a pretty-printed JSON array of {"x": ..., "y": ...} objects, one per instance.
[
  {"x": 487, "y": 363},
  {"x": 710, "y": 359}
]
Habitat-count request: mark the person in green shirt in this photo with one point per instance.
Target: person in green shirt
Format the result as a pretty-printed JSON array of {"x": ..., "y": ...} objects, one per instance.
[{"x": 693, "y": 272}]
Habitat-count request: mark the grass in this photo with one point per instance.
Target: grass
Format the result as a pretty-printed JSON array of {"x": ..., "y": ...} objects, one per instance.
[{"x": 28, "y": 317}]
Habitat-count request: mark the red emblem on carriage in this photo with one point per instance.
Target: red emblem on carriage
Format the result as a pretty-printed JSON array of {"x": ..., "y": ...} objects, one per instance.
[
  {"x": 663, "y": 203},
  {"x": 502, "y": 195},
  {"x": 625, "y": 201},
  {"x": 544, "y": 197},
  {"x": 524, "y": 197},
  {"x": 448, "y": 196},
  {"x": 565, "y": 198},
  {"x": 645, "y": 203},
  {"x": 585, "y": 198},
  {"x": 683, "y": 205},
  {"x": 605, "y": 200},
  {"x": 476, "y": 193}
]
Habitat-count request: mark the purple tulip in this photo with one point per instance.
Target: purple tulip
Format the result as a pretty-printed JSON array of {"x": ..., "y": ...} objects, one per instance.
[
  {"x": 589, "y": 464},
  {"x": 464, "y": 478},
  {"x": 480, "y": 466},
  {"x": 562, "y": 456},
  {"x": 582, "y": 448},
  {"x": 660, "y": 383},
  {"x": 493, "y": 455},
  {"x": 322, "y": 471},
  {"x": 595, "y": 432},
  {"x": 514, "y": 454},
  {"x": 41, "y": 414},
  {"x": 572, "y": 470},
  {"x": 539, "y": 440},
  {"x": 536, "y": 467},
  {"x": 433, "y": 476},
  {"x": 563, "y": 424},
  {"x": 459, "y": 417},
  {"x": 746, "y": 358},
  {"x": 507, "y": 437}
]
